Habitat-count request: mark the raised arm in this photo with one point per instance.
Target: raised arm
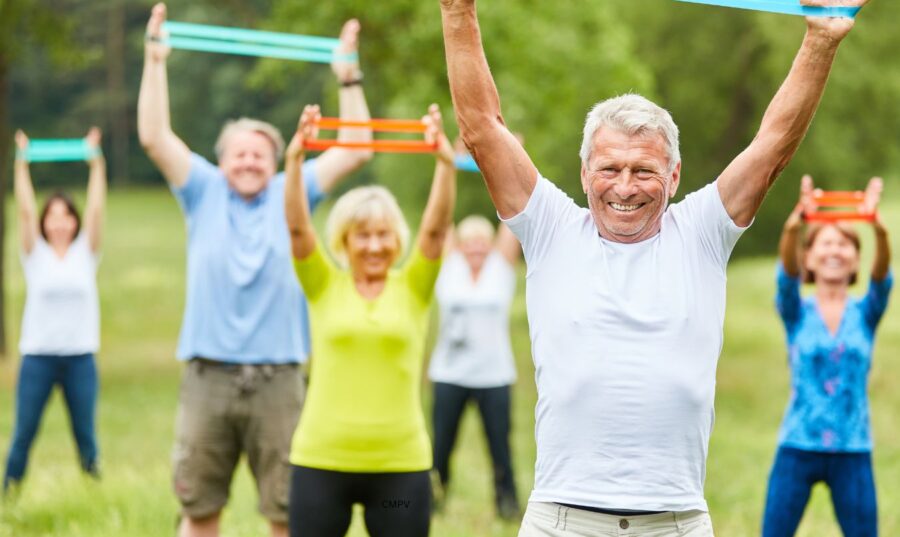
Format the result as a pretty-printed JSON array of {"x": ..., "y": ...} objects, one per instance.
[
  {"x": 296, "y": 204},
  {"x": 167, "y": 151},
  {"x": 25, "y": 202},
  {"x": 881, "y": 265},
  {"x": 744, "y": 183},
  {"x": 508, "y": 245},
  {"x": 336, "y": 164},
  {"x": 96, "y": 193},
  {"x": 507, "y": 169},
  {"x": 793, "y": 229},
  {"x": 438, "y": 216}
]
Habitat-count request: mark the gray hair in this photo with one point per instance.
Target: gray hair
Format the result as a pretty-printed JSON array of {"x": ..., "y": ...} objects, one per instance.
[
  {"x": 633, "y": 115},
  {"x": 361, "y": 204},
  {"x": 246, "y": 124}
]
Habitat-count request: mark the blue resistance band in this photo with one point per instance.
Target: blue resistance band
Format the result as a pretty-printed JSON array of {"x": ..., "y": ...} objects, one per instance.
[
  {"x": 787, "y": 7},
  {"x": 240, "y": 41},
  {"x": 61, "y": 150},
  {"x": 466, "y": 163}
]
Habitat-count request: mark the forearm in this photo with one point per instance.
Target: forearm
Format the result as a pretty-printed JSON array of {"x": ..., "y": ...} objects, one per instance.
[
  {"x": 787, "y": 249},
  {"x": 297, "y": 213},
  {"x": 882, "y": 263},
  {"x": 438, "y": 216},
  {"x": 791, "y": 111},
  {"x": 154, "y": 120},
  {"x": 353, "y": 107},
  {"x": 96, "y": 202},
  {"x": 475, "y": 97},
  {"x": 25, "y": 204}
]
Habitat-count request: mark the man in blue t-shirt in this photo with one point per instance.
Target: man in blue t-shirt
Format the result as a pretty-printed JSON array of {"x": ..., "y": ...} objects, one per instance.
[{"x": 245, "y": 329}]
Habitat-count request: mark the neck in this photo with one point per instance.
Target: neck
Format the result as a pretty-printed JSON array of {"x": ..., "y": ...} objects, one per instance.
[
  {"x": 59, "y": 248},
  {"x": 831, "y": 291}
]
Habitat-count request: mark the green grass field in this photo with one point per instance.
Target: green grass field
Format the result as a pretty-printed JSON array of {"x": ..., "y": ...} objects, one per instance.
[{"x": 142, "y": 292}]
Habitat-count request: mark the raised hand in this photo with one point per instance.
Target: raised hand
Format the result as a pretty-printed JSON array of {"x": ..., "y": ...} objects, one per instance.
[
  {"x": 873, "y": 198},
  {"x": 347, "y": 71},
  {"x": 435, "y": 133},
  {"x": 835, "y": 28},
  {"x": 806, "y": 204},
  {"x": 307, "y": 129},
  {"x": 93, "y": 137},
  {"x": 154, "y": 48},
  {"x": 21, "y": 140}
]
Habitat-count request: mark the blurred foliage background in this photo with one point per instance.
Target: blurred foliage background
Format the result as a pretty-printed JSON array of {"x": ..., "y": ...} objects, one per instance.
[{"x": 67, "y": 64}]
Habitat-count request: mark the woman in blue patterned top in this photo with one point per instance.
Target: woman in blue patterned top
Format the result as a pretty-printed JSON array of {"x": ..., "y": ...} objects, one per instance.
[{"x": 825, "y": 435}]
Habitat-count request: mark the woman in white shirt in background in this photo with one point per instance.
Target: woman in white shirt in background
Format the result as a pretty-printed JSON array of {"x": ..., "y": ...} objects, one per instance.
[
  {"x": 473, "y": 358},
  {"x": 61, "y": 322}
]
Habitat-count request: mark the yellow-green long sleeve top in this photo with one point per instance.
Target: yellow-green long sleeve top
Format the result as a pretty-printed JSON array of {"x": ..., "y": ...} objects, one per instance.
[{"x": 363, "y": 411}]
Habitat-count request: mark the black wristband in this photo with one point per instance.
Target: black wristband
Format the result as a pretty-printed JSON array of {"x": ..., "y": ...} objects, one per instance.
[{"x": 354, "y": 82}]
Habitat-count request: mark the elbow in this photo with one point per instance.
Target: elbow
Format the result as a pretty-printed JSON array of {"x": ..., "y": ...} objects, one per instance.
[
  {"x": 476, "y": 131},
  {"x": 362, "y": 157}
]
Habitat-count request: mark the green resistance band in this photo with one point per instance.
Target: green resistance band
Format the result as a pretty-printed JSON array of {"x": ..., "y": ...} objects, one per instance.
[
  {"x": 60, "y": 150},
  {"x": 243, "y": 42},
  {"x": 787, "y": 7}
]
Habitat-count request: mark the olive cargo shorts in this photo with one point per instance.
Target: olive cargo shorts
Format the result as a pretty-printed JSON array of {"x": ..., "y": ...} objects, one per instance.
[{"x": 224, "y": 411}]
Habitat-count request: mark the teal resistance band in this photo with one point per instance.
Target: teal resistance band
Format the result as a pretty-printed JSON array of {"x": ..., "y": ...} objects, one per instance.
[
  {"x": 205, "y": 38},
  {"x": 788, "y": 7},
  {"x": 64, "y": 150},
  {"x": 466, "y": 163}
]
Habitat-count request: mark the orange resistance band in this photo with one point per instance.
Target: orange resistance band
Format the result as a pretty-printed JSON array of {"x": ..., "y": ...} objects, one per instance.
[
  {"x": 377, "y": 125},
  {"x": 839, "y": 199}
]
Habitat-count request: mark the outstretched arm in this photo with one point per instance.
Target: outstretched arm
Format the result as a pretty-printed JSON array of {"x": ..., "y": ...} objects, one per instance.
[
  {"x": 507, "y": 169},
  {"x": 96, "y": 193},
  {"x": 296, "y": 204},
  {"x": 881, "y": 265},
  {"x": 793, "y": 228},
  {"x": 438, "y": 216},
  {"x": 170, "y": 154},
  {"x": 744, "y": 183},
  {"x": 25, "y": 202},
  {"x": 336, "y": 164}
]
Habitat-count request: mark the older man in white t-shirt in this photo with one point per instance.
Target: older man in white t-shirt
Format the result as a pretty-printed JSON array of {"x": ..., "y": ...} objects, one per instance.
[{"x": 626, "y": 299}]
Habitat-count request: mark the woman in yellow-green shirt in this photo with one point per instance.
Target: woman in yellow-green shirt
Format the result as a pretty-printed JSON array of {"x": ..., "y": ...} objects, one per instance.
[{"x": 362, "y": 436}]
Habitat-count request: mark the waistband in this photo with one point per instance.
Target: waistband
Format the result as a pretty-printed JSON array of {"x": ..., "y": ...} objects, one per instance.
[
  {"x": 561, "y": 517},
  {"x": 201, "y": 362},
  {"x": 615, "y": 512}
]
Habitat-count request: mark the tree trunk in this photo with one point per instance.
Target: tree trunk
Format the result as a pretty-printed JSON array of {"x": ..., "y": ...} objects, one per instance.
[
  {"x": 117, "y": 112},
  {"x": 4, "y": 171}
]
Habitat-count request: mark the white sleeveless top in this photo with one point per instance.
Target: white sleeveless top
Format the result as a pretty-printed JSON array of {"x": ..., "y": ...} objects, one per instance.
[
  {"x": 473, "y": 347},
  {"x": 62, "y": 311}
]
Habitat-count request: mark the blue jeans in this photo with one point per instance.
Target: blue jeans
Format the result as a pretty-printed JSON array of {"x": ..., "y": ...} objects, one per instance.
[
  {"x": 77, "y": 375},
  {"x": 848, "y": 475}
]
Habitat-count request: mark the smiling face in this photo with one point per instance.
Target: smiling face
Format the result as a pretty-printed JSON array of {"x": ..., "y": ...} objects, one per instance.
[
  {"x": 248, "y": 161},
  {"x": 628, "y": 183},
  {"x": 832, "y": 257},
  {"x": 372, "y": 247},
  {"x": 59, "y": 225}
]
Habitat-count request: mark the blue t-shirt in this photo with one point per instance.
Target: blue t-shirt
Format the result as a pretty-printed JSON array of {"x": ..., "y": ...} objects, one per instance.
[
  {"x": 829, "y": 406},
  {"x": 244, "y": 304}
]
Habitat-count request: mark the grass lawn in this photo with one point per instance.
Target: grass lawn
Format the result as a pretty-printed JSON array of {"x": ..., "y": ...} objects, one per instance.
[{"x": 142, "y": 292}]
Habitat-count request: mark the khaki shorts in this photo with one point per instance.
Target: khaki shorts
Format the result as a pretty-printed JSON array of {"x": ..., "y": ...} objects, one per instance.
[
  {"x": 225, "y": 411},
  {"x": 554, "y": 520}
]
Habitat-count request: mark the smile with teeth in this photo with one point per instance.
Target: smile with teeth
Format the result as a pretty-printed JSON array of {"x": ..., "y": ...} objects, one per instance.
[{"x": 625, "y": 208}]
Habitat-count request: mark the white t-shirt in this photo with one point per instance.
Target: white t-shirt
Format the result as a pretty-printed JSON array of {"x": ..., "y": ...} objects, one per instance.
[
  {"x": 625, "y": 340},
  {"x": 62, "y": 312},
  {"x": 473, "y": 347}
]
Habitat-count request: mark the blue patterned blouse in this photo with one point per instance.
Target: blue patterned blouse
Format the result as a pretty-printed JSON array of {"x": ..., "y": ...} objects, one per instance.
[{"x": 829, "y": 406}]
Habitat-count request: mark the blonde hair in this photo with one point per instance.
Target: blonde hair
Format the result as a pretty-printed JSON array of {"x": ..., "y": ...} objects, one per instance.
[
  {"x": 246, "y": 124},
  {"x": 359, "y": 205},
  {"x": 475, "y": 227}
]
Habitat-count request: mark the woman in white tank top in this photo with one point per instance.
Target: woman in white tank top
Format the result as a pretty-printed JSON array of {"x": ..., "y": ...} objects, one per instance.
[
  {"x": 61, "y": 322},
  {"x": 473, "y": 358}
]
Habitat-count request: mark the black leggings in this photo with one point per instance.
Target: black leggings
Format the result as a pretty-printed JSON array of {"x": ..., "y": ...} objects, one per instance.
[
  {"x": 494, "y": 404},
  {"x": 396, "y": 504}
]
